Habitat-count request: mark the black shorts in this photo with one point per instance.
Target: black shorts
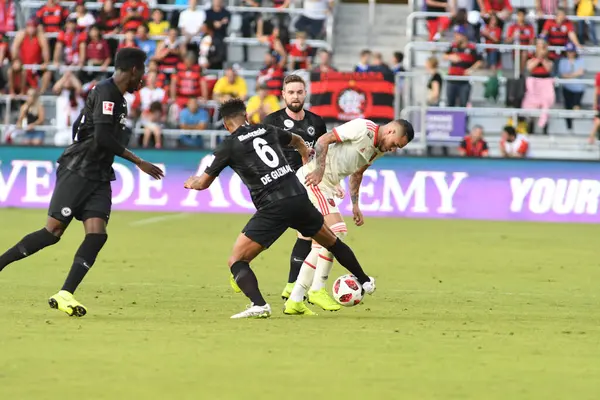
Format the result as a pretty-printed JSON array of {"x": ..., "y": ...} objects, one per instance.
[
  {"x": 76, "y": 196},
  {"x": 269, "y": 223}
]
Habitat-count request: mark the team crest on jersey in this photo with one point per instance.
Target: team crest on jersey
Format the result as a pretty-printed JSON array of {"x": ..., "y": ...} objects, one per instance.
[
  {"x": 331, "y": 202},
  {"x": 311, "y": 130},
  {"x": 288, "y": 123},
  {"x": 107, "y": 107},
  {"x": 352, "y": 104}
]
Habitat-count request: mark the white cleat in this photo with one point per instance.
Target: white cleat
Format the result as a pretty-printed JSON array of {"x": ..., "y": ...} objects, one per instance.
[
  {"x": 369, "y": 287},
  {"x": 253, "y": 311}
]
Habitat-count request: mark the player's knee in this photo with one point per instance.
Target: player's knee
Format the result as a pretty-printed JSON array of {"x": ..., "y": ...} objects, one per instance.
[
  {"x": 340, "y": 230},
  {"x": 55, "y": 227},
  {"x": 91, "y": 246}
]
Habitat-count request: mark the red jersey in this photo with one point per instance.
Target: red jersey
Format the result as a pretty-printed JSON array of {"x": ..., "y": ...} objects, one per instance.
[
  {"x": 173, "y": 58},
  {"x": 474, "y": 149},
  {"x": 273, "y": 77},
  {"x": 540, "y": 71},
  {"x": 134, "y": 5},
  {"x": 558, "y": 35},
  {"x": 124, "y": 44},
  {"x": 524, "y": 34},
  {"x": 598, "y": 91},
  {"x": 187, "y": 82},
  {"x": 494, "y": 33},
  {"x": 161, "y": 80},
  {"x": 97, "y": 50},
  {"x": 468, "y": 57},
  {"x": 108, "y": 22},
  {"x": 52, "y": 17},
  {"x": 30, "y": 51},
  {"x": 496, "y": 5},
  {"x": 299, "y": 55},
  {"x": 70, "y": 42},
  {"x": 7, "y": 16}
]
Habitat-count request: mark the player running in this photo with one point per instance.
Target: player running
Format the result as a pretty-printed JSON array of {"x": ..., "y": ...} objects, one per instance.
[
  {"x": 84, "y": 174},
  {"x": 347, "y": 151},
  {"x": 255, "y": 153},
  {"x": 310, "y": 127}
]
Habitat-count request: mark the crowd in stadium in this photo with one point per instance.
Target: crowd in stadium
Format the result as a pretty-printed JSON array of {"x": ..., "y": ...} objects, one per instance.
[{"x": 183, "y": 48}]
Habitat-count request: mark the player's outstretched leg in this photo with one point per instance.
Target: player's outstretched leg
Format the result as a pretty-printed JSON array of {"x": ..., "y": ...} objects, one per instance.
[
  {"x": 244, "y": 251},
  {"x": 85, "y": 257},
  {"x": 33, "y": 243},
  {"x": 295, "y": 304},
  {"x": 300, "y": 251}
]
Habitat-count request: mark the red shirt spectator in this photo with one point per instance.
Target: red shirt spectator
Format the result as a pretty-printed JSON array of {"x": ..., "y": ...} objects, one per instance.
[
  {"x": 597, "y": 96},
  {"x": 67, "y": 44},
  {"x": 437, "y": 25},
  {"x": 128, "y": 40},
  {"x": 31, "y": 47},
  {"x": 558, "y": 32},
  {"x": 520, "y": 31},
  {"x": 496, "y": 6},
  {"x": 7, "y": 16},
  {"x": 134, "y": 13},
  {"x": 170, "y": 51},
  {"x": 539, "y": 68},
  {"x": 109, "y": 19},
  {"x": 492, "y": 34},
  {"x": 187, "y": 82},
  {"x": 161, "y": 77},
  {"x": 299, "y": 52},
  {"x": 473, "y": 144},
  {"x": 4, "y": 49},
  {"x": 271, "y": 75},
  {"x": 93, "y": 50},
  {"x": 52, "y": 16},
  {"x": 462, "y": 55}
]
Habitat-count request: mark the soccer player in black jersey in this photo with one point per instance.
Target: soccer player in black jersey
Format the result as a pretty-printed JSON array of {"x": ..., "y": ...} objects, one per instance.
[
  {"x": 255, "y": 153},
  {"x": 309, "y": 126},
  {"x": 84, "y": 174}
]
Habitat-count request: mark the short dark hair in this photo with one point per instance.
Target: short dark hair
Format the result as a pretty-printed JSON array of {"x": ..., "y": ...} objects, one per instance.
[
  {"x": 233, "y": 108},
  {"x": 130, "y": 57},
  {"x": 293, "y": 78},
  {"x": 365, "y": 52},
  {"x": 510, "y": 130},
  {"x": 399, "y": 56},
  {"x": 522, "y": 11},
  {"x": 409, "y": 131}
]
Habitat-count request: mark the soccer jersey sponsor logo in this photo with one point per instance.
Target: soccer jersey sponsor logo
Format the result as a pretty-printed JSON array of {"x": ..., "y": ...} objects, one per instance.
[
  {"x": 249, "y": 135},
  {"x": 108, "y": 107}
]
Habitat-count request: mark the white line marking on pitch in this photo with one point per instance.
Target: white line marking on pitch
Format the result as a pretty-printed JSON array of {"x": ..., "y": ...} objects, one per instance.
[{"x": 155, "y": 220}]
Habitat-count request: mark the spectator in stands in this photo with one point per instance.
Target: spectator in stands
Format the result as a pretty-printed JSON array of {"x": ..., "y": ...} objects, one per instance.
[
  {"x": 84, "y": 18},
  {"x": 502, "y": 8},
  {"x": 68, "y": 106},
  {"x": 299, "y": 53},
  {"x": 220, "y": 17},
  {"x": 158, "y": 26},
  {"x": 66, "y": 50},
  {"x": 153, "y": 126},
  {"x": 365, "y": 61},
  {"x": 586, "y": 8},
  {"x": 523, "y": 33},
  {"x": 378, "y": 65},
  {"x": 492, "y": 33},
  {"x": 513, "y": 145},
  {"x": 434, "y": 86},
  {"x": 261, "y": 104},
  {"x": 170, "y": 51},
  {"x": 4, "y": 61},
  {"x": 52, "y": 16},
  {"x": 128, "y": 40},
  {"x": 109, "y": 19},
  {"x": 547, "y": 7},
  {"x": 572, "y": 67},
  {"x": 437, "y": 25},
  {"x": 145, "y": 43},
  {"x": 397, "y": 62},
  {"x": 148, "y": 95},
  {"x": 596, "y": 124},
  {"x": 558, "y": 32},
  {"x": 187, "y": 82},
  {"x": 31, "y": 116},
  {"x": 277, "y": 41},
  {"x": 250, "y": 21},
  {"x": 540, "y": 85},
  {"x": 133, "y": 14},
  {"x": 212, "y": 48},
  {"x": 161, "y": 77},
  {"x": 464, "y": 60},
  {"x": 473, "y": 145},
  {"x": 472, "y": 29},
  {"x": 7, "y": 16},
  {"x": 17, "y": 78},
  {"x": 272, "y": 75},
  {"x": 68, "y": 81},
  {"x": 193, "y": 118},
  {"x": 94, "y": 52},
  {"x": 230, "y": 86},
  {"x": 191, "y": 19},
  {"x": 324, "y": 65},
  {"x": 31, "y": 47},
  {"x": 314, "y": 15},
  {"x": 281, "y": 18}
]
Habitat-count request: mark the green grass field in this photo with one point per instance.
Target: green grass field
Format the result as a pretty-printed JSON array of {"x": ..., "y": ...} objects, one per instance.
[{"x": 464, "y": 310}]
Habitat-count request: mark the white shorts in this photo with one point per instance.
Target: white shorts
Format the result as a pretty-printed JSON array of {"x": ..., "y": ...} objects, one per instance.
[{"x": 322, "y": 196}]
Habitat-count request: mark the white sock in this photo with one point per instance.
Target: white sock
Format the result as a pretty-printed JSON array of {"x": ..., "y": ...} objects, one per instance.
[
  {"x": 325, "y": 261},
  {"x": 305, "y": 277}
]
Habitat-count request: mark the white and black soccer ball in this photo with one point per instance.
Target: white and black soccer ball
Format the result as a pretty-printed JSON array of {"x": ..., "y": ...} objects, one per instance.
[{"x": 347, "y": 290}]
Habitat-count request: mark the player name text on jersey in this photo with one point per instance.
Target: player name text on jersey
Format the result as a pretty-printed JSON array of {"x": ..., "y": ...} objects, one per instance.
[{"x": 276, "y": 174}]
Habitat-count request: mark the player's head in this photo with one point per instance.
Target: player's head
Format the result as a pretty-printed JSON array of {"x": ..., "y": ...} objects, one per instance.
[
  {"x": 294, "y": 92},
  {"x": 130, "y": 63},
  {"x": 395, "y": 135},
  {"x": 233, "y": 113},
  {"x": 509, "y": 134}
]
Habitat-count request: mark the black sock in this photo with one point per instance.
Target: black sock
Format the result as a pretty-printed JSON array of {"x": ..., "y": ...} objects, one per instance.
[
  {"x": 84, "y": 259},
  {"x": 29, "y": 245},
  {"x": 299, "y": 253},
  {"x": 347, "y": 259},
  {"x": 246, "y": 280}
]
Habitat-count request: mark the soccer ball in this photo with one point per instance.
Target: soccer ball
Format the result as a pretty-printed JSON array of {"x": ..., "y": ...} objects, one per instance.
[{"x": 347, "y": 291}]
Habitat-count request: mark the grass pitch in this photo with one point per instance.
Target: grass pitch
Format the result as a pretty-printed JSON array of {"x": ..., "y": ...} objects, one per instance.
[{"x": 463, "y": 310}]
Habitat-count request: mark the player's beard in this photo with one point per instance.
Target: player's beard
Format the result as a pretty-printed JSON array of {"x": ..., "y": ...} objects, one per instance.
[{"x": 295, "y": 107}]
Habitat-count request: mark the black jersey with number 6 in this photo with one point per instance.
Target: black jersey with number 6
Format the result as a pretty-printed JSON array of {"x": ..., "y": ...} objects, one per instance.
[
  {"x": 255, "y": 153},
  {"x": 105, "y": 105},
  {"x": 310, "y": 129}
]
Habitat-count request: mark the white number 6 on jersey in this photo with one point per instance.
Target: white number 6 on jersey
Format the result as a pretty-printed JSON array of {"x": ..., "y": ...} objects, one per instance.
[{"x": 265, "y": 152}]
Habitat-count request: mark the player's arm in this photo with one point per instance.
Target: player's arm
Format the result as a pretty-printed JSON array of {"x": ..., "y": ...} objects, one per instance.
[
  {"x": 321, "y": 149},
  {"x": 355, "y": 181},
  {"x": 221, "y": 160},
  {"x": 299, "y": 144}
]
